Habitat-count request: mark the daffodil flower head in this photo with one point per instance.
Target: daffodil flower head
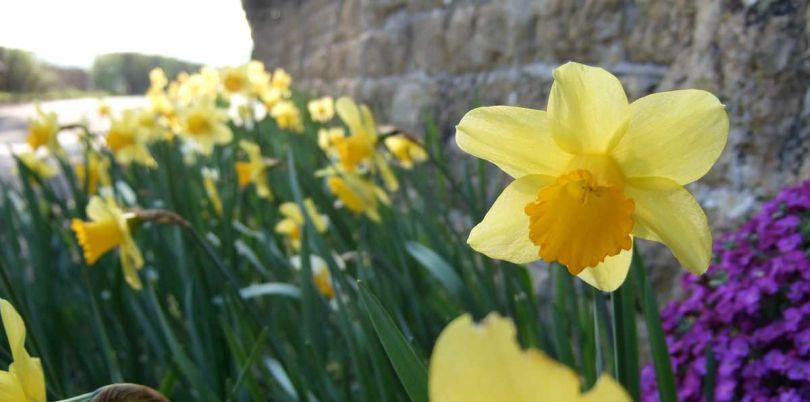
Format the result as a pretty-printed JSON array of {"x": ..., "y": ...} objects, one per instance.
[
  {"x": 594, "y": 171},
  {"x": 235, "y": 79},
  {"x": 360, "y": 147},
  {"x": 24, "y": 381},
  {"x": 320, "y": 272},
  {"x": 484, "y": 363},
  {"x": 357, "y": 193},
  {"x": 281, "y": 80},
  {"x": 205, "y": 125},
  {"x": 210, "y": 178},
  {"x": 258, "y": 77},
  {"x": 322, "y": 110},
  {"x": 254, "y": 170},
  {"x": 287, "y": 116},
  {"x": 328, "y": 138},
  {"x": 127, "y": 141},
  {"x": 293, "y": 221},
  {"x": 43, "y": 131},
  {"x": 108, "y": 228},
  {"x": 103, "y": 108},
  {"x": 407, "y": 151},
  {"x": 158, "y": 79}
]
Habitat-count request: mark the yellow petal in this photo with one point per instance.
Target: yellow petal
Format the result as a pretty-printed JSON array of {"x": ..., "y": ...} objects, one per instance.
[
  {"x": 484, "y": 363},
  {"x": 587, "y": 108},
  {"x": 27, "y": 370},
  {"x": 319, "y": 221},
  {"x": 286, "y": 227},
  {"x": 15, "y": 329},
  {"x": 669, "y": 214},
  {"x": 30, "y": 375},
  {"x": 606, "y": 389},
  {"x": 349, "y": 113},
  {"x": 388, "y": 177},
  {"x": 99, "y": 210},
  {"x": 515, "y": 139},
  {"x": 11, "y": 389},
  {"x": 504, "y": 232},
  {"x": 131, "y": 262},
  {"x": 610, "y": 273},
  {"x": 677, "y": 135},
  {"x": 291, "y": 210}
]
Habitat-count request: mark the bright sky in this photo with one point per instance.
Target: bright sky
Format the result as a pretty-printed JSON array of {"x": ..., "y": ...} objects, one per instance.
[{"x": 73, "y": 32}]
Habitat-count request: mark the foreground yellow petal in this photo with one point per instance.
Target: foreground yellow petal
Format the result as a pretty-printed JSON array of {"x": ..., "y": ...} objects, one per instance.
[
  {"x": 26, "y": 370},
  {"x": 484, "y": 363},
  {"x": 504, "y": 232},
  {"x": 609, "y": 274},
  {"x": 515, "y": 139},
  {"x": 684, "y": 132},
  {"x": 669, "y": 214},
  {"x": 11, "y": 389}
]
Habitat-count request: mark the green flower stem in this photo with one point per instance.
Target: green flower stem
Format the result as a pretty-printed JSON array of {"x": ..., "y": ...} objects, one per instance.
[{"x": 626, "y": 338}]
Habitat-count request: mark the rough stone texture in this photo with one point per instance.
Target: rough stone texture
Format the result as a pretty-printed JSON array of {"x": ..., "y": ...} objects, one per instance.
[{"x": 441, "y": 57}]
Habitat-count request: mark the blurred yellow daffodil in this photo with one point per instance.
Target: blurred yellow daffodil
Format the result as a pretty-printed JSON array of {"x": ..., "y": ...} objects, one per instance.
[
  {"x": 328, "y": 137},
  {"x": 210, "y": 177},
  {"x": 43, "y": 131},
  {"x": 103, "y": 108},
  {"x": 320, "y": 272},
  {"x": 108, "y": 228},
  {"x": 93, "y": 171},
  {"x": 405, "y": 150},
  {"x": 322, "y": 110},
  {"x": 358, "y": 194},
  {"x": 281, "y": 80},
  {"x": 24, "y": 381},
  {"x": 254, "y": 170},
  {"x": 235, "y": 79},
  {"x": 39, "y": 166},
  {"x": 287, "y": 116},
  {"x": 293, "y": 221},
  {"x": 485, "y": 363},
  {"x": 158, "y": 79},
  {"x": 205, "y": 125},
  {"x": 126, "y": 140},
  {"x": 258, "y": 77},
  {"x": 360, "y": 146},
  {"x": 595, "y": 170}
]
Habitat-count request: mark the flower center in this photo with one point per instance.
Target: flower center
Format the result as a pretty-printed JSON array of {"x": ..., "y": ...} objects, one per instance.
[
  {"x": 198, "y": 124},
  {"x": 578, "y": 221},
  {"x": 118, "y": 140}
]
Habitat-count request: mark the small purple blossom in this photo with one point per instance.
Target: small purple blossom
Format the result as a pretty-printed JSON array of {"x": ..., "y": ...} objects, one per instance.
[{"x": 751, "y": 311}]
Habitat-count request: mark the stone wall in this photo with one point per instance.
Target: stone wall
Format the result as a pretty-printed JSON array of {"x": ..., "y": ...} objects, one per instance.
[{"x": 443, "y": 56}]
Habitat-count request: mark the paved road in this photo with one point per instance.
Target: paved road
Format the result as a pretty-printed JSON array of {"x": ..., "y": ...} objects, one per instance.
[{"x": 14, "y": 120}]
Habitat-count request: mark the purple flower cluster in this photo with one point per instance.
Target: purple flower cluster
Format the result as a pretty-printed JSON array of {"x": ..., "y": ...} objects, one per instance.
[{"x": 747, "y": 319}]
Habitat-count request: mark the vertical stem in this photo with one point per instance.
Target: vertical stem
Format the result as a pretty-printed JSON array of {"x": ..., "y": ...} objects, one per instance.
[
  {"x": 658, "y": 342},
  {"x": 626, "y": 338}
]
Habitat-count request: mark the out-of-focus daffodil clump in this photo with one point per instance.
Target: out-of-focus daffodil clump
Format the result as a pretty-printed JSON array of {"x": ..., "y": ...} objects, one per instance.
[{"x": 238, "y": 240}]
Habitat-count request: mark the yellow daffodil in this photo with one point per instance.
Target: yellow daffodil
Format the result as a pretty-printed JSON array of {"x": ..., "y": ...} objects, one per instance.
[
  {"x": 24, "y": 381},
  {"x": 258, "y": 77},
  {"x": 320, "y": 272},
  {"x": 360, "y": 146},
  {"x": 92, "y": 172},
  {"x": 107, "y": 229},
  {"x": 281, "y": 80},
  {"x": 293, "y": 221},
  {"x": 204, "y": 84},
  {"x": 287, "y": 116},
  {"x": 37, "y": 165},
  {"x": 43, "y": 131},
  {"x": 595, "y": 170},
  {"x": 485, "y": 363},
  {"x": 254, "y": 170},
  {"x": 322, "y": 110},
  {"x": 405, "y": 150},
  {"x": 271, "y": 97},
  {"x": 210, "y": 178},
  {"x": 103, "y": 109},
  {"x": 126, "y": 140},
  {"x": 235, "y": 79},
  {"x": 205, "y": 125},
  {"x": 357, "y": 193},
  {"x": 158, "y": 79},
  {"x": 328, "y": 138}
]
